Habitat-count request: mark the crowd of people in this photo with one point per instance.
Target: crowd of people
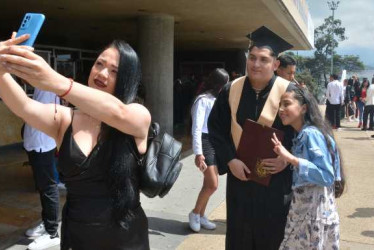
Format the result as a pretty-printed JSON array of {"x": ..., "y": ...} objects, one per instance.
[
  {"x": 96, "y": 140},
  {"x": 352, "y": 100}
]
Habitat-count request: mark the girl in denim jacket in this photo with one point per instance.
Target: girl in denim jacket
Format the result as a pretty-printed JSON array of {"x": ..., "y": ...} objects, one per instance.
[{"x": 313, "y": 221}]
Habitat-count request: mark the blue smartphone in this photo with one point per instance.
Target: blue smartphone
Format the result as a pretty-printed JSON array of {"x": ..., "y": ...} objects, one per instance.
[{"x": 31, "y": 24}]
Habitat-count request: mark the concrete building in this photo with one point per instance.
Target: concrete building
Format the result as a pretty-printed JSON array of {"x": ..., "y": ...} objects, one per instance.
[{"x": 174, "y": 39}]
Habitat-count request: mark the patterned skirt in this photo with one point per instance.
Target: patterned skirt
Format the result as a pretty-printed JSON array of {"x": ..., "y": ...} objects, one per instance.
[{"x": 312, "y": 222}]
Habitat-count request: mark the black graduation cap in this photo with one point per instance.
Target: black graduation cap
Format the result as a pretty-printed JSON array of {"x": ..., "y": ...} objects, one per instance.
[{"x": 265, "y": 37}]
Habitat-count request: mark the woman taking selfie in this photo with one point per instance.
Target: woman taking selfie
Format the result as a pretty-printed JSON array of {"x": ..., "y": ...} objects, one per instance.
[{"x": 95, "y": 141}]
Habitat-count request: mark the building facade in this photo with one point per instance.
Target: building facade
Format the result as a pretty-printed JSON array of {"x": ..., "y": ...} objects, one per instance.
[{"x": 174, "y": 39}]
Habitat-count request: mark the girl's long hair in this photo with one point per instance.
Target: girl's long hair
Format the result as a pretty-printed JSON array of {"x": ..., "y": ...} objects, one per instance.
[
  {"x": 216, "y": 79},
  {"x": 313, "y": 117},
  {"x": 116, "y": 150}
]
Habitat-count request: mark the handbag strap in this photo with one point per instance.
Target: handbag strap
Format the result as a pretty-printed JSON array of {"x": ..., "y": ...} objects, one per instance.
[{"x": 269, "y": 112}]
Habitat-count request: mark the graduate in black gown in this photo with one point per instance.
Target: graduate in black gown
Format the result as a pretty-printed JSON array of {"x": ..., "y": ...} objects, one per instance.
[{"x": 256, "y": 214}]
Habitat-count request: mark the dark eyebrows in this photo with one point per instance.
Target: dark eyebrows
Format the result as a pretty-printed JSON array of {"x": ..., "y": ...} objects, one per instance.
[{"x": 105, "y": 61}]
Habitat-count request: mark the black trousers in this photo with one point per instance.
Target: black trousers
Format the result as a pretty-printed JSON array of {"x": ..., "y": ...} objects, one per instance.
[
  {"x": 257, "y": 215},
  {"x": 333, "y": 114},
  {"x": 369, "y": 110},
  {"x": 44, "y": 175}
]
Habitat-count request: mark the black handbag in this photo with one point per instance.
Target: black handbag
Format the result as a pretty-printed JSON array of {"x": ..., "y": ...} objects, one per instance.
[{"x": 160, "y": 166}]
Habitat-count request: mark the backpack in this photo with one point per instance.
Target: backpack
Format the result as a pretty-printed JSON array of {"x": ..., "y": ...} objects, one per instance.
[{"x": 160, "y": 166}]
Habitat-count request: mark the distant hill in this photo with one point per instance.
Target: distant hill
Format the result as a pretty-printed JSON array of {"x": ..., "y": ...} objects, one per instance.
[{"x": 369, "y": 67}]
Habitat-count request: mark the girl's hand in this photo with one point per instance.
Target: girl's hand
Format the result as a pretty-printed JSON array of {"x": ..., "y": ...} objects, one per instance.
[
  {"x": 200, "y": 162},
  {"x": 22, "y": 62},
  {"x": 274, "y": 165},
  {"x": 282, "y": 152}
]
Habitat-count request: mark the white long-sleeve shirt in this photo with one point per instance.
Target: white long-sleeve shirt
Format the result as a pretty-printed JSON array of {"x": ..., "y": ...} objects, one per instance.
[
  {"x": 335, "y": 93},
  {"x": 370, "y": 95},
  {"x": 200, "y": 113},
  {"x": 34, "y": 139}
]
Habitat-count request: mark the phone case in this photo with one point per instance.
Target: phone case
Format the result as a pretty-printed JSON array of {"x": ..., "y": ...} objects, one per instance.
[{"x": 31, "y": 24}]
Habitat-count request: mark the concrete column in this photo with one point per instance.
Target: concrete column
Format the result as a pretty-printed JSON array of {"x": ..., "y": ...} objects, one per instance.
[{"x": 156, "y": 52}]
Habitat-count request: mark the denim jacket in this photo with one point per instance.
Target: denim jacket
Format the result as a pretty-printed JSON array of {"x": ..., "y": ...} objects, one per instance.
[{"x": 315, "y": 161}]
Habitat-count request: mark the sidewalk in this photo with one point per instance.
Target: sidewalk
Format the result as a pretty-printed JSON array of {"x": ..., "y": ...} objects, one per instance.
[{"x": 356, "y": 206}]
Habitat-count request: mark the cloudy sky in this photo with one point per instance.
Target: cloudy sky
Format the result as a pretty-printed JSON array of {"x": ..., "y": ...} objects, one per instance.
[{"x": 357, "y": 17}]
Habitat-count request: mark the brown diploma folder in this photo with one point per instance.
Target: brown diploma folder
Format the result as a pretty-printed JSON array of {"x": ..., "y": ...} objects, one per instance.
[{"x": 255, "y": 144}]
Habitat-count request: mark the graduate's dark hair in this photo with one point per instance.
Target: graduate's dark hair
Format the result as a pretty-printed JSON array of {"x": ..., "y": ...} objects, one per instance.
[
  {"x": 272, "y": 53},
  {"x": 216, "y": 79},
  {"x": 313, "y": 117},
  {"x": 115, "y": 151}
]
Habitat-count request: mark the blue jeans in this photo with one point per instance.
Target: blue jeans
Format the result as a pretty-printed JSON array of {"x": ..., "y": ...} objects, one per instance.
[{"x": 360, "y": 106}]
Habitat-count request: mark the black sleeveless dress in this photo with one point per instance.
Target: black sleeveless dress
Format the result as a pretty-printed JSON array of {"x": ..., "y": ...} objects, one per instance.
[{"x": 87, "y": 221}]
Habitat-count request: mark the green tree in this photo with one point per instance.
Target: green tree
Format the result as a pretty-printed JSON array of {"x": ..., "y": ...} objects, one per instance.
[
  {"x": 306, "y": 77},
  {"x": 327, "y": 37},
  {"x": 350, "y": 63}
]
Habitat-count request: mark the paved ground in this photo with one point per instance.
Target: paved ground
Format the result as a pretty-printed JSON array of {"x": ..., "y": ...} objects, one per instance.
[{"x": 168, "y": 226}]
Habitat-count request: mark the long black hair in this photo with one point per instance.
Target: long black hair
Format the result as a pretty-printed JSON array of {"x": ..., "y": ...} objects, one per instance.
[
  {"x": 216, "y": 79},
  {"x": 122, "y": 178},
  {"x": 313, "y": 117}
]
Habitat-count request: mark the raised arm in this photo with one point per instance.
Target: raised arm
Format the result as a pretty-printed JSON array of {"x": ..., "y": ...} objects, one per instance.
[
  {"x": 132, "y": 119},
  {"x": 38, "y": 115}
]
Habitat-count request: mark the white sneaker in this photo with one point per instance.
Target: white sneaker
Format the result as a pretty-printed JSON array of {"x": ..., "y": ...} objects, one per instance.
[
  {"x": 44, "y": 241},
  {"x": 37, "y": 231},
  {"x": 194, "y": 220},
  {"x": 61, "y": 186},
  {"x": 207, "y": 224}
]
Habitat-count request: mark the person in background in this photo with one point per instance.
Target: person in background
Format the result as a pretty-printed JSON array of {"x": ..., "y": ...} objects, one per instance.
[
  {"x": 41, "y": 151},
  {"x": 361, "y": 97},
  {"x": 350, "y": 105},
  {"x": 368, "y": 105},
  {"x": 357, "y": 90},
  {"x": 96, "y": 142},
  {"x": 313, "y": 220},
  {"x": 287, "y": 67},
  {"x": 234, "y": 74},
  {"x": 205, "y": 158},
  {"x": 335, "y": 99}
]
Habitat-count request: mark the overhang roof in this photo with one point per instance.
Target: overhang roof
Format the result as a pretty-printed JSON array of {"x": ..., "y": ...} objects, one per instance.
[{"x": 199, "y": 24}]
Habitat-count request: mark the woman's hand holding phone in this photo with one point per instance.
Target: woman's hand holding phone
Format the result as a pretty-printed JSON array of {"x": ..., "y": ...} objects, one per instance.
[
  {"x": 5, "y": 46},
  {"x": 22, "y": 62}
]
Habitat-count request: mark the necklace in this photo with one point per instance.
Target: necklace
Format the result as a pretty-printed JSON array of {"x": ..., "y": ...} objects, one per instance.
[{"x": 257, "y": 90}]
